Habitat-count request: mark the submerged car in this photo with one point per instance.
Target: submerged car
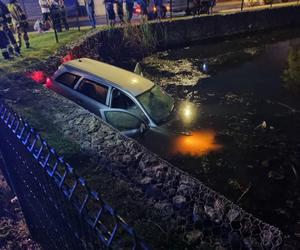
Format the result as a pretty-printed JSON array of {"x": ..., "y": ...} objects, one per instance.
[
  {"x": 134, "y": 105},
  {"x": 127, "y": 101}
]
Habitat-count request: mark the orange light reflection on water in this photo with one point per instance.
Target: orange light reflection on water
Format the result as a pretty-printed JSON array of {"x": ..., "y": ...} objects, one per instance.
[{"x": 199, "y": 143}]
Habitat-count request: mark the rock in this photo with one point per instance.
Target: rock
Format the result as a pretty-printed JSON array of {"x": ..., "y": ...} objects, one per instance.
[
  {"x": 97, "y": 141},
  {"x": 154, "y": 192},
  {"x": 233, "y": 214},
  {"x": 146, "y": 181},
  {"x": 164, "y": 206},
  {"x": 109, "y": 137},
  {"x": 142, "y": 164},
  {"x": 210, "y": 211},
  {"x": 14, "y": 200},
  {"x": 160, "y": 167},
  {"x": 138, "y": 156},
  {"x": 193, "y": 236},
  {"x": 171, "y": 192},
  {"x": 165, "y": 53},
  {"x": 159, "y": 175},
  {"x": 184, "y": 189},
  {"x": 184, "y": 179},
  {"x": 4, "y": 90},
  {"x": 126, "y": 158},
  {"x": 179, "y": 201},
  {"x": 181, "y": 220},
  {"x": 85, "y": 145},
  {"x": 198, "y": 213}
]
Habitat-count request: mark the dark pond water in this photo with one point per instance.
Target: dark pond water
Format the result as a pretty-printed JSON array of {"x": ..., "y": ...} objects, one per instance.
[{"x": 247, "y": 142}]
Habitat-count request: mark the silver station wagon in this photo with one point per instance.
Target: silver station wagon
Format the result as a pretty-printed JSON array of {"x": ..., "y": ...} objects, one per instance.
[{"x": 125, "y": 100}]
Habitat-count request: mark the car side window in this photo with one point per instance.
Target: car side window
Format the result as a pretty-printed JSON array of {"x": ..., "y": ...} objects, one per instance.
[
  {"x": 93, "y": 90},
  {"x": 122, "y": 121},
  {"x": 122, "y": 101},
  {"x": 68, "y": 79}
]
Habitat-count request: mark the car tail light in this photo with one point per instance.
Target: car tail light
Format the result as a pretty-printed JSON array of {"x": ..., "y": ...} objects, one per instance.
[
  {"x": 38, "y": 76},
  {"x": 48, "y": 82},
  {"x": 67, "y": 58}
]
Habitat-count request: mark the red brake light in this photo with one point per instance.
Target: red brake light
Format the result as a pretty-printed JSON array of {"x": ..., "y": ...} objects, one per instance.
[
  {"x": 38, "y": 76},
  {"x": 67, "y": 58},
  {"x": 48, "y": 82}
]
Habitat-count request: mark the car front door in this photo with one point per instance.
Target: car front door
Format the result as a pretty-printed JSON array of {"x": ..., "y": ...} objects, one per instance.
[
  {"x": 119, "y": 100},
  {"x": 64, "y": 84},
  {"x": 124, "y": 121}
]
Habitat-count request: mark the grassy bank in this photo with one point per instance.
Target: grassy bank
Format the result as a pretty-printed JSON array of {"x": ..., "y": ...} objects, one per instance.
[{"x": 41, "y": 46}]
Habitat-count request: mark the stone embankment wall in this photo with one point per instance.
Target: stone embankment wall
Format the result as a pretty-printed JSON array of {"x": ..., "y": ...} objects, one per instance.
[
  {"x": 169, "y": 208},
  {"x": 136, "y": 41}
]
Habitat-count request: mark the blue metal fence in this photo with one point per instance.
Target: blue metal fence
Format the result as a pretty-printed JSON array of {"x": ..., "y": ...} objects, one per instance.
[{"x": 60, "y": 209}]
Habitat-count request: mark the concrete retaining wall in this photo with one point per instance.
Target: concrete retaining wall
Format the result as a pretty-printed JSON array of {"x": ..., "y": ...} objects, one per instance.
[
  {"x": 133, "y": 43},
  {"x": 216, "y": 26}
]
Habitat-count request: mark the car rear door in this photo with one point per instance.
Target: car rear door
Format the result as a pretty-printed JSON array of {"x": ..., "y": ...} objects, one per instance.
[
  {"x": 91, "y": 95},
  {"x": 64, "y": 84}
]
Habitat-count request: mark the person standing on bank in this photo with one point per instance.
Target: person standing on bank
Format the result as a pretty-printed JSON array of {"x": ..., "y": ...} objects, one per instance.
[
  {"x": 90, "y": 9},
  {"x": 45, "y": 8},
  {"x": 159, "y": 8},
  {"x": 120, "y": 10},
  {"x": 8, "y": 42},
  {"x": 129, "y": 9},
  {"x": 109, "y": 6},
  {"x": 4, "y": 42},
  {"x": 55, "y": 15},
  {"x": 63, "y": 14},
  {"x": 20, "y": 22}
]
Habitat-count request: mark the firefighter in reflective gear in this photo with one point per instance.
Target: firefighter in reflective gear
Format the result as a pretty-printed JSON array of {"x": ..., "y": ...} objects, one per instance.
[
  {"x": 4, "y": 42},
  {"x": 9, "y": 43},
  {"x": 20, "y": 22}
]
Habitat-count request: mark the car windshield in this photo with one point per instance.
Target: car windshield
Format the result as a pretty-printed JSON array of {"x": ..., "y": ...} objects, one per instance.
[{"x": 157, "y": 103}]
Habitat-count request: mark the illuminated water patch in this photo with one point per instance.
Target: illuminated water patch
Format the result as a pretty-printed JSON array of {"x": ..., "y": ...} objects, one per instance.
[{"x": 197, "y": 143}]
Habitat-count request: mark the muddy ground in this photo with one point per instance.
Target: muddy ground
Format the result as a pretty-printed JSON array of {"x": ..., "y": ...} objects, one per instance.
[{"x": 14, "y": 233}]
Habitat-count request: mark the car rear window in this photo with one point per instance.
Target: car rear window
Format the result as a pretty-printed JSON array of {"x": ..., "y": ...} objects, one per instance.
[
  {"x": 93, "y": 90},
  {"x": 68, "y": 79}
]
